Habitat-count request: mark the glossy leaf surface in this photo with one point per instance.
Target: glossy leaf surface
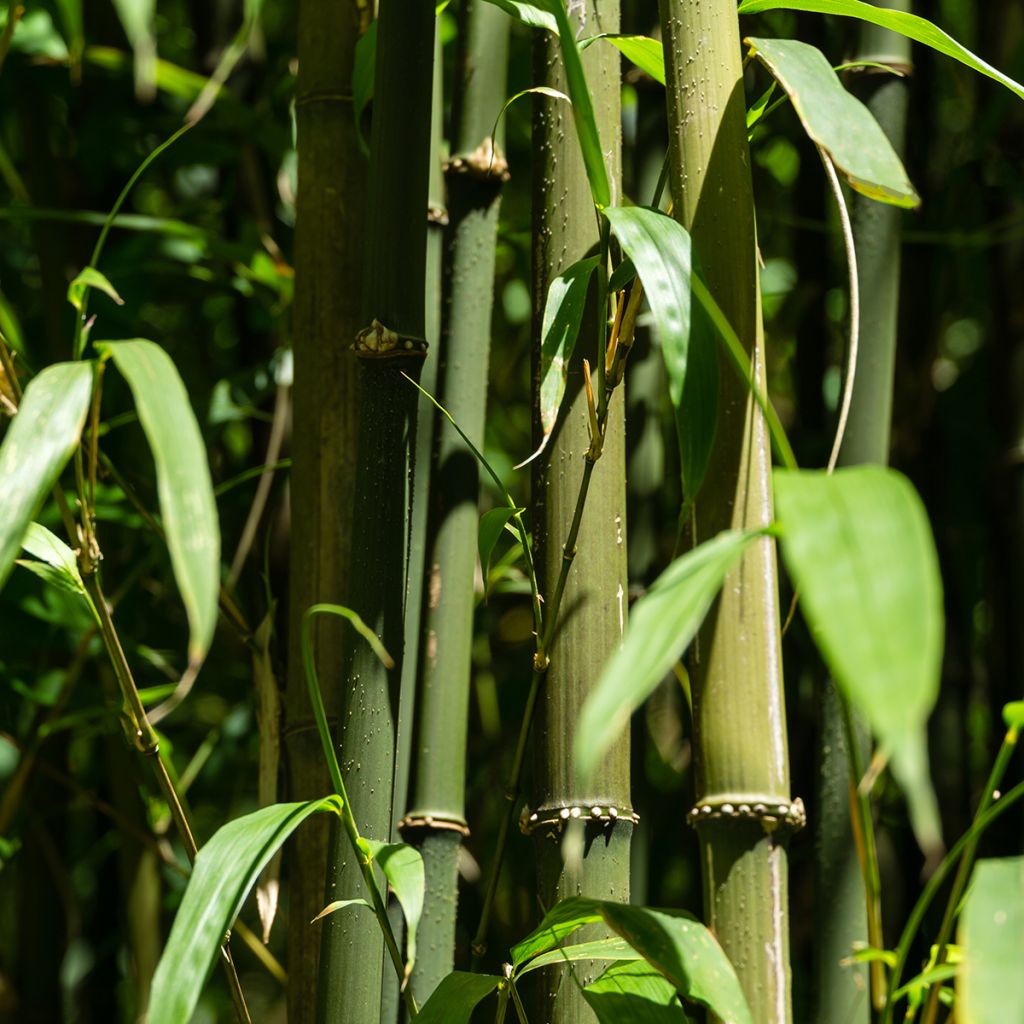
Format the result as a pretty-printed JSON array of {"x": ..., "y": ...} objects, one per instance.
[
  {"x": 403, "y": 868},
  {"x": 634, "y": 993},
  {"x": 455, "y": 999}
]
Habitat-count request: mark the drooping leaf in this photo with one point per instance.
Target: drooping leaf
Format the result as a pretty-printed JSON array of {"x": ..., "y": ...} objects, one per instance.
[
  {"x": 90, "y": 277},
  {"x": 661, "y": 625},
  {"x": 859, "y": 548},
  {"x": 492, "y": 523},
  {"x": 403, "y": 868},
  {"x": 560, "y": 921},
  {"x": 836, "y": 120},
  {"x": 334, "y": 907},
  {"x": 599, "y": 949},
  {"x": 634, "y": 993},
  {"x": 563, "y": 312},
  {"x": 686, "y": 954},
  {"x": 36, "y": 447},
  {"x": 536, "y": 90},
  {"x": 183, "y": 481},
  {"x": 660, "y": 249},
  {"x": 224, "y": 872},
  {"x": 456, "y": 997},
  {"x": 910, "y": 25},
  {"x": 990, "y": 986},
  {"x": 536, "y": 15},
  {"x": 646, "y": 53}
]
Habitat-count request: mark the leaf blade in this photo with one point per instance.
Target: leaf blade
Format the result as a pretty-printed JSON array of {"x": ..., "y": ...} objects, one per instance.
[{"x": 456, "y": 997}]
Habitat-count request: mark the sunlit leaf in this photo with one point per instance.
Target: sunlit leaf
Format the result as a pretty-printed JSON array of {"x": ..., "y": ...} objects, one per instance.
[
  {"x": 860, "y": 550},
  {"x": 599, "y": 949},
  {"x": 225, "y": 870},
  {"x": 910, "y": 25},
  {"x": 646, "y": 53},
  {"x": 686, "y": 954},
  {"x": 403, "y": 868},
  {"x": 559, "y": 922},
  {"x": 456, "y": 997},
  {"x": 536, "y": 15},
  {"x": 990, "y": 987},
  {"x": 36, "y": 447},
  {"x": 137, "y": 20},
  {"x": 90, "y": 277},
  {"x": 836, "y": 120},
  {"x": 183, "y": 481},
  {"x": 634, "y": 993},
  {"x": 333, "y": 908},
  {"x": 57, "y": 563},
  {"x": 660, "y": 249}
]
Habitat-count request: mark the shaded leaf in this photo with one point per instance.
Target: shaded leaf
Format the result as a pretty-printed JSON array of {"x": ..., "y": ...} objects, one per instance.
[
  {"x": 859, "y": 548},
  {"x": 910, "y": 25},
  {"x": 137, "y": 19},
  {"x": 686, "y": 953},
  {"x": 600, "y": 949},
  {"x": 492, "y": 523},
  {"x": 837, "y": 121},
  {"x": 455, "y": 998},
  {"x": 363, "y": 71},
  {"x": 90, "y": 277},
  {"x": 224, "y": 872},
  {"x": 660, "y": 249},
  {"x": 36, "y": 447},
  {"x": 170, "y": 78},
  {"x": 990, "y": 987},
  {"x": 634, "y": 993},
  {"x": 183, "y": 481},
  {"x": 403, "y": 868},
  {"x": 661, "y": 625}
]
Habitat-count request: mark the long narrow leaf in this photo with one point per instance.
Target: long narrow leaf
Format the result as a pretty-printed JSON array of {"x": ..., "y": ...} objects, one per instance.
[
  {"x": 183, "y": 481},
  {"x": 403, "y": 868},
  {"x": 634, "y": 993},
  {"x": 661, "y": 625},
  {"x": 860, "y": 551},
  {"x": 225, "y": 870},
  {"x": 837, "y": 121},
  {"x": 910, "y": 25},
  {"x": 36, "y": 448}
]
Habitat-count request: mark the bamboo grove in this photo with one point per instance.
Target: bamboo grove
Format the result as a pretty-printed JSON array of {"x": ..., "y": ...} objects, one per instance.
[{"x": 451, "y": 566}]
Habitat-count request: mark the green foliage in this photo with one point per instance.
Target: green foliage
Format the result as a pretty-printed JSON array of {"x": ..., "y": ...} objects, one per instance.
[
  {"x": 859, "y": 548},
  {"x": 990, "y": 985},
  {"x": 634, "y": 993},
  {"x": 36, "y": 448},
  {"x": 837, "y": 121},
  {"x": 183, "y": 480},
  {"x": 455, "y": 999}
]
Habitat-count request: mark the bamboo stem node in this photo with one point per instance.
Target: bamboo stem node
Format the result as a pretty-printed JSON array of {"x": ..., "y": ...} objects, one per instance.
[
  {"x": 772, "y": 813},
  {"x": 552, "y": 820},
  {"x": 486, "y": 163},
  {"x": 412, "y": 824},
  {"x": 379, "y": 341}
]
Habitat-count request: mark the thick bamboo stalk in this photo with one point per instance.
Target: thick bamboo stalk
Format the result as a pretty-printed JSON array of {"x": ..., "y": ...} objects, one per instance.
[
  {"x": 590, "y": 857},
  {"x": 328, "y": 274},
  {"x": 436, "y": 818},
  {"x": 740, "y": 742},
  {"x": 391, "y": 342}
]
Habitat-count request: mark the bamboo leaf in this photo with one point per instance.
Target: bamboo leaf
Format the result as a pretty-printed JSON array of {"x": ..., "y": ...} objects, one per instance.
[
  {"x": 686, "y": 954},
  {"x": 363, "y": 71},
  {"x": 337, "y": 905},
  {"x": 403, "y": 868},
  {"x": 36, "y": 447},
  {"x": 646, "y": 53},
  {"x": 455, "y": 999},
  {"x": 560, "y": 921},
  {"x": 634, "y": 993},
  {"x": 661, "y": 250},
  {"x": 859, "y": 548},
  {"x": 910, "y": 25},
  {"x": 137, "y": 18},
  {"x": 57, "y": 563},
  {"x": 183, "y": 481},
  {"x": 837, "y": 121},
  {"x": 90, "y": 277},
  {"x": 535, "y": 15},
  {"x": 492, "y": 523},
  {"x": 224, "y": 872},
  {"x": 600, "y": 949},
  {"x": 661, "y": 625},
  {"x": 990, "y": 987},
  {"x": 563, "y": 313}
]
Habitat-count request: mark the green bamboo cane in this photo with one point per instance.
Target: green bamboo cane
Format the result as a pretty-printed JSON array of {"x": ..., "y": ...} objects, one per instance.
[
  {"x": 852, "y": 913},
  {"x": 328, "y": 274},
  {"x": 740, "y": 741},
  {"x": 392, "y": 341},
  {"x": 582, "y": 835},
  {"x": 436, "y": 818}
]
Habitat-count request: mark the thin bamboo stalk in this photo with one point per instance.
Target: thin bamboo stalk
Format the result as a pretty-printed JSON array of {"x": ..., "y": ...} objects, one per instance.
[
  {"x": 392, "y": 341},
  {"x": 740, "y": 740},
  {"x": 584, "y": 582},
  {"x": 436, "y": 819},
  {"x": 328, "y": 275}
]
